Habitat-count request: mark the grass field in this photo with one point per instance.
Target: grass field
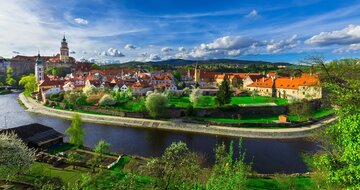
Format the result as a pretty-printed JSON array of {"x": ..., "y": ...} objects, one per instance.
[
  {"x": 209, "y": 101},
  {"x": 268, "y": 119}
]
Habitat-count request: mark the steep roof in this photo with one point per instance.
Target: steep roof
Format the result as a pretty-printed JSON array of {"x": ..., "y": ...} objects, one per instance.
[{"x": 295, "y": 82}]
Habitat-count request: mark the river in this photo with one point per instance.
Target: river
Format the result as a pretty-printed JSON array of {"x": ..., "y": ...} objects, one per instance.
[{"x": 267, "y": 156}]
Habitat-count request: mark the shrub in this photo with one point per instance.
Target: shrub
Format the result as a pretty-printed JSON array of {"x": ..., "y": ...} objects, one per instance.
[
  {"x": 107, "y": 100},
  {"x": 156, "y": 104},
  {"x": 89, "y": 90}
]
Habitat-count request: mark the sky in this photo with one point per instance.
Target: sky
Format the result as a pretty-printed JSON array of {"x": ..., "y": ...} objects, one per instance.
[{"x": 117, "y": 31}]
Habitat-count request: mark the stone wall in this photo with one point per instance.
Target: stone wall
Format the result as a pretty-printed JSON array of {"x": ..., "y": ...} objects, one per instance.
[{"x": 236, "y": 112}]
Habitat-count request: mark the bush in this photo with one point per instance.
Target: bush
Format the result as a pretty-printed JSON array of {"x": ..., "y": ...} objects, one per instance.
[
  {"x": 89, "y": 90},
  {"x": 156, "y": 104},
  {"x": 107, "y": 100}
]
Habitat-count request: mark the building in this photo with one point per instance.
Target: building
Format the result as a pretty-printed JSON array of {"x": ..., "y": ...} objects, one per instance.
[
  {"x": 200, "y": 76},
  {"x": 64, "y": 51},
  {"x": 307, "y": 86},
  {"x": 4, "y": 64},
  {"x": 39, "y": 69},
  {"x": 36, "y": 135}
]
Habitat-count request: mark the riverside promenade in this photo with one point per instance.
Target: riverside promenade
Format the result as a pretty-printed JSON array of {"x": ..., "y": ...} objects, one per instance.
[{"x": 286, "y": 133}]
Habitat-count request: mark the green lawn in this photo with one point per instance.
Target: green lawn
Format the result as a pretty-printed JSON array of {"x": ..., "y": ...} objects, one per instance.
[
  {"x": 268, "y": 119},
  {"x": 281, "y": 182},
  {"x": 209, "y": 101},
  {"x": 67, "y": 175},
  {"x": 132, "y": 105}
]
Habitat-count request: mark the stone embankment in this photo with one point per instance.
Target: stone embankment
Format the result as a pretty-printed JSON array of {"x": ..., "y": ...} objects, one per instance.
[{"x": 176, "y": 125}]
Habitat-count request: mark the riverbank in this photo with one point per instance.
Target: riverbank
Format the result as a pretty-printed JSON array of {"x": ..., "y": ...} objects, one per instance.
[{"x": 177, "y": 125}]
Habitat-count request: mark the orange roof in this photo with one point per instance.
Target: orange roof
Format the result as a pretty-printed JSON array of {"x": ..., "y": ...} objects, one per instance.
[
  {"x": 295, "y": 82},
  {"x": 140, "y": 85},
  {"x": 51, "y": 82},
  {"x": 263, "y": 82}
]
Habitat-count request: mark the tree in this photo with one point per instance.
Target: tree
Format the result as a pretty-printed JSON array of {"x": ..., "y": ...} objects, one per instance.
[
  {"x": 195, "y": 96},
  {"x": 186, "y": 91},
  {"x": 9, "y": 79},
  {"x": 76, "y": 131},
  {"x": 89, "y": 90},
  {"x": 94, "y": 162},
  {"x": 107, "y": 100},
  {"x": 72, "y": 158},
  {"x": 339, "y": 158},
  {"x": 223, "y": 96},
  {"x": 301, "y": 108},
  {"x": 177, "y": 75},
  {"x": 156, "y": 104},
  {"x": 29, "y": 83},
  {"x": 102, "y": 148},
  {"x": 95, "y": 66},
  {"x": 53, "y": 72},
  {"x": 228, "y": 174},
  {"x": 15, "y": 157},
  {"x": 177, "y": 167}
]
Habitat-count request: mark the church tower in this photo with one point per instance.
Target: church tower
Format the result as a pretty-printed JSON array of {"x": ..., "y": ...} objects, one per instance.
[
  {"x": 197, "y": 73},
  {"x": 39, "y": 69},
  {"x": 64, "y": 50}
]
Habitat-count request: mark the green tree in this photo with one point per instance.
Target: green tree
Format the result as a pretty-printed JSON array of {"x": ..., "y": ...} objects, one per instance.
[
  {"x": 9, "y": 79},
  {"x": 223, "y": 96},
  {"x": 177, "y": 75},
  {"x": 107, "y": 100},
  {"x": 228, "y": 173},
  {"x": 73, "y": 158},
  {"x": 29, "y": 83},
  {"x": 302, "y": 109},
  {"x": 195, "y": 96},
  {"x": 339, "y": 159},
  {"x": 15, "y": 157},
  {"x": 177, "y": 167},
  {"x": 95, "y": 66},
  {"x": 94, "y": 162},
  {"x": 53, "y": 72},
  {"x": 76, "y": 131},
  {"x": 102, "y": 148},
  {"x": 156, "y": 104}
]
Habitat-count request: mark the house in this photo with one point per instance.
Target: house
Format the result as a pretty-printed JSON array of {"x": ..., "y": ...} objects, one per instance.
[
  {"x": 249, "y": 79},
  {"x": 201, "y": 76},
  {"x": 263, "y": 87},
  {"x": 141, "y": 88},
  {"x": 50, "y": 86},
  {"x": 37, "y": 135},
  {"x": 305, "y": 86}
]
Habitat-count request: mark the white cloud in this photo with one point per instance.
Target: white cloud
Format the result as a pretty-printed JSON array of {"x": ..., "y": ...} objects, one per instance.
[
  {"x": 166, "y": 49},
  {"x": 346, "y": 36},
  {"x": 182, "y": 49},
  {"x": 81, "y": 21},
  {"x": 277, "y": 47},
  {"x": 130, "y": 46},
  {"x": 252, "y": 14},
  {"x": 154, "y": 57},
  {"x": 111, "y": 52},
  {"x": 352, "y": 48},
  {"x": 230, "y": 43}
]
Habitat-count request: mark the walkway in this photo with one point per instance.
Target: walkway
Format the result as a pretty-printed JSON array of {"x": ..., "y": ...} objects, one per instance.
[{"x": 286, "y": 133}]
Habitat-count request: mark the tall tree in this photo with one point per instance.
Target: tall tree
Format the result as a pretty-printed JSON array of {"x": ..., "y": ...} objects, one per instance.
[
  {"x": 178, "y": 167},
  {"x": 223, "y": 96},
  {"x": 228, "y": 173},
  {"x": 29, "y": 83},
  {"x": 302, "y": 109},
  {"x": 339, "y": 159},
  {"x": 76, "y": 131},
  {"x": 15, "y": 157},
  {"x": 9, "y": 79}
]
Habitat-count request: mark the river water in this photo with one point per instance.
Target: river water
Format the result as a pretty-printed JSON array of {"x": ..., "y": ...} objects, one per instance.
[{"x": 267, "y": 156}]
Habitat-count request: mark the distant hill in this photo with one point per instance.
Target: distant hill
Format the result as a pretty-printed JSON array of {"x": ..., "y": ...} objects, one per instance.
[{"x": 180, "y": 62}]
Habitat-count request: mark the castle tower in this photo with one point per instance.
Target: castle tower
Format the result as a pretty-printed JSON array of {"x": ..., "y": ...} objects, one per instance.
[
  {"x": 64, "y": 50},
  {"x": 197, "y": 73},
  {"x": 39, "y": 69}
]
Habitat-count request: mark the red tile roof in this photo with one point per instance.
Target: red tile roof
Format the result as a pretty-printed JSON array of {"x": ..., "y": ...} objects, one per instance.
[{"x": 263, "y": 83}]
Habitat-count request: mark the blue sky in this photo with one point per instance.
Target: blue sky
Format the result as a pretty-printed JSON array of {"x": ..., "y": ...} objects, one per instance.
[{"x": 143, "y": 30}]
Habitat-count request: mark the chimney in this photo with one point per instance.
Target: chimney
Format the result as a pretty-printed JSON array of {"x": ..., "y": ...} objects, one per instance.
[
  {"x": 263, "y": 79},
  {"x": 291, "y": 78}
]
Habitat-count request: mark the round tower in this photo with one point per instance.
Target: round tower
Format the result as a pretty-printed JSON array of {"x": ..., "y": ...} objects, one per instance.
[
  {"x": 64, "y": 50},
  {"x": 197, "y": 73},
  {"x": 39, "y": 69}
]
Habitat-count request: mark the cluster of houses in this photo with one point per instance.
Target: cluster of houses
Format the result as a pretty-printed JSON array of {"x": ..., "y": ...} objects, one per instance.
[{"x": 143, "y": 81}]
